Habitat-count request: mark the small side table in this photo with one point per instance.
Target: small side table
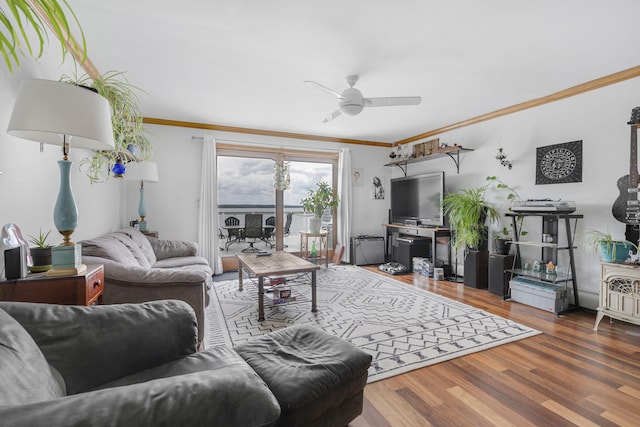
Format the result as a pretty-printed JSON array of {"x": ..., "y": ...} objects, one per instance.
[
  {"x": 83, "y": 289},
  {"x": 323, "y": 250},
  {"x": 150, "y": 233}
]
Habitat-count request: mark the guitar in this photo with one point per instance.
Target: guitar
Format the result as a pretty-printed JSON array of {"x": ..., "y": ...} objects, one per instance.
[{"x": 626, "y": 207}]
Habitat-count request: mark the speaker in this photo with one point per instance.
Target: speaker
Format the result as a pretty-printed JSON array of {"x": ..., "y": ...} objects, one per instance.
[
  {"x": 498, "y": 278},
  {"x": 367, "y": 250},
  {"x": 15, "y": 262},
  {"x": 476, "y": 269},
  {"x": 410, "y": 247}
]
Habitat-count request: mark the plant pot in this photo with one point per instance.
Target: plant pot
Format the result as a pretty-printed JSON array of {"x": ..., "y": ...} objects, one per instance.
[
  {"x": 476, "y": 269},
  {"x": 132, "y": 149},
  {"x": 501, "y": 246},
  {"x": 315, "y": 224},
  {"x": 41, "y": 258},
  {"x": 614, "y": 252}
]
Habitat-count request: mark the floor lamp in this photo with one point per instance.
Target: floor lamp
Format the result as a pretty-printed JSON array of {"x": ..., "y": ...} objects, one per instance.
[
  {"x": 58, "y": 113},
  {"x": 142, "y": 171}
]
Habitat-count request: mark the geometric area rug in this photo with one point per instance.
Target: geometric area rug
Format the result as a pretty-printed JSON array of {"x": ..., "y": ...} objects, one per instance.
[{"x": 403, "y": 327}]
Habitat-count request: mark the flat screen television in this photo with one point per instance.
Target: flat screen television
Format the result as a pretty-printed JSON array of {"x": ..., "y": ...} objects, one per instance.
[{"x": 418, "y": 198}]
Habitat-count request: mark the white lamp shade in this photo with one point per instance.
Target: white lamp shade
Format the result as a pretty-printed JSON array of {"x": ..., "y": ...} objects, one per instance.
[
  {"x": 45, "y": 110},
  {"x": 142, "y": 171}
]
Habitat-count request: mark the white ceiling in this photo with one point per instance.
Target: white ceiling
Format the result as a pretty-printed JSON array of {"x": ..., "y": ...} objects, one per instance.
[{"x": 243, "y": 62}]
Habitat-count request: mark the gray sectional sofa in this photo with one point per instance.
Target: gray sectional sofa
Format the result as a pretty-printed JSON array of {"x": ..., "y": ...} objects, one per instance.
[
  {"x": 140, "y": 268},
  {"x": 137, "y": 365}
]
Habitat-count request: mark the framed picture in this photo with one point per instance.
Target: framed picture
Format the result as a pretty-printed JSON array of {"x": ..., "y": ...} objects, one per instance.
[
  {"x": 357, "y": 177},
  {"x": 559, "y": 163},
  {"x": 377, "y": 189}
]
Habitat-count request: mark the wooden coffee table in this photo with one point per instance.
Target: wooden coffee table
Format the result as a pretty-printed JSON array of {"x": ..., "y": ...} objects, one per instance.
[{"x": 278, "y": 263}]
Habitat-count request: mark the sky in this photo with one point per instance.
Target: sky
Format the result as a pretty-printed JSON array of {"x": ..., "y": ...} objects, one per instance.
[{"x": 243, "y": 181}]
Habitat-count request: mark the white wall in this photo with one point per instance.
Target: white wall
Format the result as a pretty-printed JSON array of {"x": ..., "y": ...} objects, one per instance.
[
  {"x": 172, "y": 203},
  {"x": 30, "y": 179},
  {"x": 598, "y": 118}
]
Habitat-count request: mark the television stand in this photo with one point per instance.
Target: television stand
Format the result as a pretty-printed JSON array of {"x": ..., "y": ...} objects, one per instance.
[{"x": 437, "y": 235}]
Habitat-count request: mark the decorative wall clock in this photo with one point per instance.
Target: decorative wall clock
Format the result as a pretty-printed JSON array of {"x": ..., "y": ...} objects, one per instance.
[{"x": 559, "y": 163}]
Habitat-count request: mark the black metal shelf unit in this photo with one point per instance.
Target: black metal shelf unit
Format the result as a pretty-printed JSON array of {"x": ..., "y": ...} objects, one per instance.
[{"x": 549, "y": 250}]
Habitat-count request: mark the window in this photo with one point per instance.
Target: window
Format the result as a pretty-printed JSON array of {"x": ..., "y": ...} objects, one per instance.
[{"x": 245, "y": 185}]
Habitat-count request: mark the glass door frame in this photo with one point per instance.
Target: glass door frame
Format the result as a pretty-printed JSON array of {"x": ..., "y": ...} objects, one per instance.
[{"x": 280, "y": 155}]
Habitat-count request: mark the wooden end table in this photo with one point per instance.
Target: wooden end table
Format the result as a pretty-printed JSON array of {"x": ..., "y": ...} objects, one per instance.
[
  {"x": 83, "y": 289},
  {"x": 278, "y": 263}
]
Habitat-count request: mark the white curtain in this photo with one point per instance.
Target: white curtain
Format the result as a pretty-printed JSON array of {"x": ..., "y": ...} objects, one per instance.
[
  {"x": 344, "y": 209},
  {"x": 208, "y": 207}
]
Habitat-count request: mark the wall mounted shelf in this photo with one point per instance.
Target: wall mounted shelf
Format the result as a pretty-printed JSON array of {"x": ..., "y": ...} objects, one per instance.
[{"x": 452, "y": 152}]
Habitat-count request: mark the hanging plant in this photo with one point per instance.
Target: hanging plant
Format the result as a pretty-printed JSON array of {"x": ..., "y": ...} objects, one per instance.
[
  {"x": 33, "y": 16},
  {"x": 128, "y": 131}
]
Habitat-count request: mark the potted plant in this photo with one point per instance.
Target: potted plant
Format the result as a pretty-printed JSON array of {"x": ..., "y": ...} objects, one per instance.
[
  {"x": 468, "y": 211},
  {"x": 41, "y": 253},
  {"x": 502, "y": 241},
  {"x": 504, "y": 236},
  {"x": 317, "y": 202},
  {"x": 34, "y": 16},
  {"x": 609, "y": 249},
  {"x": 131, "y": 143}
]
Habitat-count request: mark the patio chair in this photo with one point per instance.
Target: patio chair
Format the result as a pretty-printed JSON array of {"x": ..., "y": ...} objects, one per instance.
[
  {"x": 285, "y": 230},
  {"x": 235, "y": 234},
  {"x": 253, "y": 230},
  {"x": 270, "y": 228},
  {"x": 287, "y": 224}
]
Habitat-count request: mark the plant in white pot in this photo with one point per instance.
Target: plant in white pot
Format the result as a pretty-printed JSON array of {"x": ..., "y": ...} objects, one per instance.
[{"x": 317, "y": 202}]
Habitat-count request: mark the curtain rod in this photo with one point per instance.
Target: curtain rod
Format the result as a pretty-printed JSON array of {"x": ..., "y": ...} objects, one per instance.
[{"x": 254, "y": 144}]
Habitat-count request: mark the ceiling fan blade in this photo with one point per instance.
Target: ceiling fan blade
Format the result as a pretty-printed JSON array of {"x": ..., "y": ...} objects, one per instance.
[
  {"x": 324, "y": 89},
  {"x": 391, "y": 101},
  {"x": 331, "y": 116}
]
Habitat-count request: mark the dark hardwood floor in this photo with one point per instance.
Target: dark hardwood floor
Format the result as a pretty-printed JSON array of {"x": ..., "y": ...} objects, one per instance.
[{"x": 570, "y": 375}]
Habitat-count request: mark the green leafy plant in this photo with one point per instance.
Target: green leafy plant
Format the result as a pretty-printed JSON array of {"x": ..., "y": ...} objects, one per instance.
[
  {"x": 40, "y": 240},
  {"x": 24, "y": 16},
  {"x": 127, "y": 123},
  {"x": 320, "y": 199},
  {"x": 600, "y": 242},
  {"x": 506, "y": 232},
  {"x": 468, "y": 211}
]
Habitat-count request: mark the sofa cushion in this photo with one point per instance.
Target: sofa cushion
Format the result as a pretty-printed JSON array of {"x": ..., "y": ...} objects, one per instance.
[
  {"x": 143, "y": 243},
  {"x": 172, "y": 248},
  {"x": 133, "y": 247},
  {"x": 110, "y": 248},
  {"x": 25, "y": 375},
  {"x": 239, "y": 396},
  {"x": 184, "y": 261},
  {"x": 219, "y": 358}
]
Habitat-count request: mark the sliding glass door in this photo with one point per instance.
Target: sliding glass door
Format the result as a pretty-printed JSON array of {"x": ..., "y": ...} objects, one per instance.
[{"x": 246, "y": 186}]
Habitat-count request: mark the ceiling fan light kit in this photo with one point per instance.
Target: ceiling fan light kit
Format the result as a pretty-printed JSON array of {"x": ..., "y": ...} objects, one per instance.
[{"x": 351, "y": 102}]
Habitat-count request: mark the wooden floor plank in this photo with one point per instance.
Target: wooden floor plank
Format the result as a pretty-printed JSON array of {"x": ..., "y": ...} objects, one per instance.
[{"x": 569, "y": 375}]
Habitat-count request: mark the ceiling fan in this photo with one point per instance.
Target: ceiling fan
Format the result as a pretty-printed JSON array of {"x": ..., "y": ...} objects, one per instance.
[{"x": 351, "y": 102}]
